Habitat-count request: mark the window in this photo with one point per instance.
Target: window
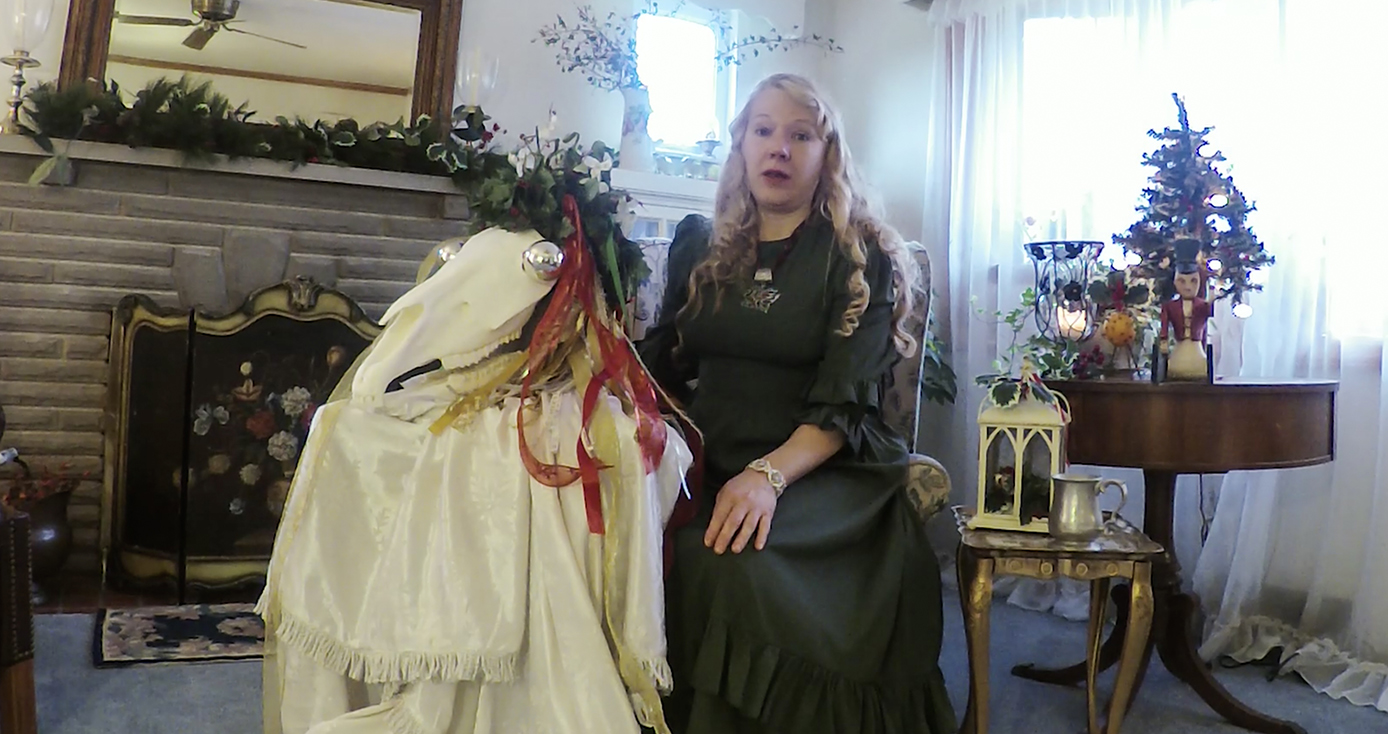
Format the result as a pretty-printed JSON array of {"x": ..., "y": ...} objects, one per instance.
[
  {"x": 676, "y": 58},
  {"x": 1286, "y": 87}
]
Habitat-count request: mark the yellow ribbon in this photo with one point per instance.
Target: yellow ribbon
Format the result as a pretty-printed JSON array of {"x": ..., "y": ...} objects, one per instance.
[{"x": 477, "y": 399}]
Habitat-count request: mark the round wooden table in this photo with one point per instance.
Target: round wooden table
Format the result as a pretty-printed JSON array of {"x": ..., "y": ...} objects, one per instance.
[{"x": 1189, "y": 428}]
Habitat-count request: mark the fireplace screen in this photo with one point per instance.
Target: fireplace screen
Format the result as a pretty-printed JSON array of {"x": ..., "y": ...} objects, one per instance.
[{"x": 209, "y": 416}]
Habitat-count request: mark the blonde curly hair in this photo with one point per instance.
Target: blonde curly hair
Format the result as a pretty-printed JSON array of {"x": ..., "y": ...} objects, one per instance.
[{"x": 841, "y": 197}]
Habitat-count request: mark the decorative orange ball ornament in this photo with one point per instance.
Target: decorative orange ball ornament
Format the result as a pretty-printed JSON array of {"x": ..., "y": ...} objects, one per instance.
[{"x": 1119, "y": 329}]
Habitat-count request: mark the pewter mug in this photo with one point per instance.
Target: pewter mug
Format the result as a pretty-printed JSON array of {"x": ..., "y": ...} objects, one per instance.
[{"x": 1075, "y": 513}]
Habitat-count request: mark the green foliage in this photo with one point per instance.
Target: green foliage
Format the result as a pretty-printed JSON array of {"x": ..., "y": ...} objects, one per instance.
[
  {"x": 515, "y": 189},
  {"x": 1188, "y": 198},
  {"x": 1024, "y": 362},
  {"x": 939, "y": 384},
  {"x": 1112, "y": 292}
]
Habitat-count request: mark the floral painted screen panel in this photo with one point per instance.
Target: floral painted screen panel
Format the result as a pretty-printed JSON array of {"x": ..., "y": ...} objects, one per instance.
[
  {"x": 254, "y": 393},
  {"x": 211, "y": 416}
]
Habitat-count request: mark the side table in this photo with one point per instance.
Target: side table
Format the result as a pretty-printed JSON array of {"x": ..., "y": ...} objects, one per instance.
[
  {"x": 1190, "y": 428},
  {"x": 1121, "y": 552}
]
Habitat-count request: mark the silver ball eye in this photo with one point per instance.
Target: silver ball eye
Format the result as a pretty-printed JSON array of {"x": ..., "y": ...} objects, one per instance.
[
  {"x": 543, "y": 260},
  {"x": 449, "y": 249}
]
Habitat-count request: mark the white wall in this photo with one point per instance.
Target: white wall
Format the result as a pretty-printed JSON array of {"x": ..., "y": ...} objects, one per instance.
[{"x": 881, "y": 82}]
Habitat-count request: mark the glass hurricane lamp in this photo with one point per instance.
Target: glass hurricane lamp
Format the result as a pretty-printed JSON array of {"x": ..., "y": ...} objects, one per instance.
[{"x": 1063, "y": 269}]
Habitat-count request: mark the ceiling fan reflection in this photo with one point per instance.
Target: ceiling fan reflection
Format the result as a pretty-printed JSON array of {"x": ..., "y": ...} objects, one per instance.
[{"x": 213, "y": 16}]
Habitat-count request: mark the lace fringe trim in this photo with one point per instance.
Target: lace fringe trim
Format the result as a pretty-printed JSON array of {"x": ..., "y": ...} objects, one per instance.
[
  {"x": 1318, "y": 661},
  {"x": 379, "y": 667}
]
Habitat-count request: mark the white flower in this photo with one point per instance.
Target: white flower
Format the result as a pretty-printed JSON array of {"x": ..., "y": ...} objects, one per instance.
[
  {"x": 202, "y": 422},
  {"x": 592, "y": 169},
  {"x": 523, "y": 159},
  {"x": 221, "y": 415},
  {"x": 626, "y": 214},
  {"x": 294, "y": 401},
  {"x": 250, "y": 474},
  {"x": 283, "y": 446}
]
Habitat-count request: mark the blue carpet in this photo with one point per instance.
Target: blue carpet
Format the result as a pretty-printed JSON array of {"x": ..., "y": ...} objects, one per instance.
[{"x": 224, "y": 698}]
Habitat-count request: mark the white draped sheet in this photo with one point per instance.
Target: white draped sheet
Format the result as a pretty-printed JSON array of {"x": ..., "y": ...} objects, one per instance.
[{"x": 426, "y": 583}]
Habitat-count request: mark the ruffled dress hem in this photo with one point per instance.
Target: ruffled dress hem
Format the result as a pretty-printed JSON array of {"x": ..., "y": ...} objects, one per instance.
[{"x": 786, "y": 693}]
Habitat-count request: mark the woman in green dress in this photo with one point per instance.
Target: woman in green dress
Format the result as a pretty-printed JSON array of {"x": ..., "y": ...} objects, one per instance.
[{"x": 804, "y": 597}]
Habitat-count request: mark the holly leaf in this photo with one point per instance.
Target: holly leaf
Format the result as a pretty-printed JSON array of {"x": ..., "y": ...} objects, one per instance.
[
  {"x": 1099, "y": 292},
  {"x": 1052, "y": 363},
  {"x": 1004, "y": 394}
]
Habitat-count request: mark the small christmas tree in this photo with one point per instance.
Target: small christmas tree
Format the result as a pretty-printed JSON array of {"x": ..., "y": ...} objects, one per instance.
[{"x": 1189, "y": 199}]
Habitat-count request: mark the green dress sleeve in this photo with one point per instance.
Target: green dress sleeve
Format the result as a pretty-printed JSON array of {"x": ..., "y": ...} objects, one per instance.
[
  {"x": 672, "y": 368},
  {"x": 847, "y": 389}
]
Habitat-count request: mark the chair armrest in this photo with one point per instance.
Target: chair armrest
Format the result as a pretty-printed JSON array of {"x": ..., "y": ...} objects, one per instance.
[{"x": 927, "y": 486}]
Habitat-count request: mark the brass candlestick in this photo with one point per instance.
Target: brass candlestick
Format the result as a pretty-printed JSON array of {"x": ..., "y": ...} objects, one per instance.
[{"x": 20, "y": 60}]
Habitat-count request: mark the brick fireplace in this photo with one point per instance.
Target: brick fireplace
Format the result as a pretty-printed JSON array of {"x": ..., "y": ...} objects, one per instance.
[{"x": 140, "y": 222}]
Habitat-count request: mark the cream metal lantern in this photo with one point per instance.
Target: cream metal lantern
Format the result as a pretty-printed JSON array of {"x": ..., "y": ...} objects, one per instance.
[{"x": 1020, "y": 446}]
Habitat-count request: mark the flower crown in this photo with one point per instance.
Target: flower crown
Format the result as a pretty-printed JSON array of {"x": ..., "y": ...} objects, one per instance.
[{"x": 524, "y": 188}]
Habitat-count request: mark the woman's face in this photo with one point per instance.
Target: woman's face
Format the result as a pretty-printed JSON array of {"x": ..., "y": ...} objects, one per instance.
[
  {"x": 1188, "y": 284},
  {"x": 784, "y": 152}
]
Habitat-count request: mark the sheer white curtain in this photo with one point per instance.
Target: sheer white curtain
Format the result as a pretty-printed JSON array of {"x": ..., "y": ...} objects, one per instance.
[{"x": 1038, "y": 130}]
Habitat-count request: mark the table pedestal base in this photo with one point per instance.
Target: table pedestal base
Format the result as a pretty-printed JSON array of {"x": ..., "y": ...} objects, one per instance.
[{"x": 1175, "y": 617}]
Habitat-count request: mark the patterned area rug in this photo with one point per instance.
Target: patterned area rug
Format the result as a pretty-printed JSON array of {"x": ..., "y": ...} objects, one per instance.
[{"x": 177, "y": 634}]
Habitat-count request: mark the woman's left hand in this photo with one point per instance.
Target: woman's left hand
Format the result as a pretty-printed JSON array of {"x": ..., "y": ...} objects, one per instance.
[{"x": 744, "y": 506}]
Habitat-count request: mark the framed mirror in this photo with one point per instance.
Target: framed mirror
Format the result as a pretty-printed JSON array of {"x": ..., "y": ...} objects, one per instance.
[{"x": 317, "y": 59}]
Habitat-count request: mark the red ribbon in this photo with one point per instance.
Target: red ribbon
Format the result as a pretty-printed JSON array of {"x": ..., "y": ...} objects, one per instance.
[{"x": 622, "y": 373}]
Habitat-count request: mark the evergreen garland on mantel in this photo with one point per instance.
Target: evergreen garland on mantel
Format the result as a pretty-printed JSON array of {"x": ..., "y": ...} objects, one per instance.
[{"x": 517, "y": 189}]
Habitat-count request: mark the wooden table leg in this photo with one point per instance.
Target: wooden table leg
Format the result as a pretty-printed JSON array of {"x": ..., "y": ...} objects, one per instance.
[
  {"x": 1178, "y": 653},
  {"x": 1112, "y": 647},
  {"x": 1098, "y": 597},
  {"x": 976, "y": 598},
  {"x": 1136, "y": 649},
  {"x": 1172, "y": 634},
  {"x": 17, "y": 709}
]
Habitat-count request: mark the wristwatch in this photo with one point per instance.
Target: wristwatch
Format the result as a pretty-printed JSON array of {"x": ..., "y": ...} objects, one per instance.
[{"x": 777, "y": 479}]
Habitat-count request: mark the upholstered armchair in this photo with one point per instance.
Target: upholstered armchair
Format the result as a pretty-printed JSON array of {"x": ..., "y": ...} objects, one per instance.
[{"x": 928, "y": 485}]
